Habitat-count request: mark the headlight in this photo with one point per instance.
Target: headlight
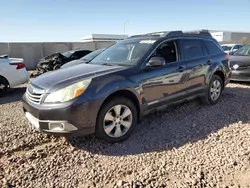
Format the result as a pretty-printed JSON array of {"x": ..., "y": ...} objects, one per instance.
[{"x": 68, "y": 93}]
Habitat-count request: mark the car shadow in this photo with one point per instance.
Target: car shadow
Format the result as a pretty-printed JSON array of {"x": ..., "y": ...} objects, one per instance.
[
  {"x": 241, "y": 83},
  {"x": 13, "y": 95},
  {"x": 176, "y": 126}
]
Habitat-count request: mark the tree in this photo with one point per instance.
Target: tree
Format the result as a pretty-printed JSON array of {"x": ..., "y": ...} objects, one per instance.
[{"x": 244, "y": 40}]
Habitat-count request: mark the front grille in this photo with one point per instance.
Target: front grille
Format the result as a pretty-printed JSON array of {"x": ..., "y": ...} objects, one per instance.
[
  {"x": 243, "y": 67},
  {"x": 35, "y": 98},
  {"x": 34, "y": 94}
]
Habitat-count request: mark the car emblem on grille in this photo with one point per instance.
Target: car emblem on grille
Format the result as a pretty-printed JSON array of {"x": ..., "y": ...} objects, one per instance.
[
  {"x": 33, "y": 90},
  {"x": 236, "y": 66}
]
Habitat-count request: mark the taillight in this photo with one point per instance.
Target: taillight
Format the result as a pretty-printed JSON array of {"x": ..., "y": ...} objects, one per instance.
[
  {"x": 19, "y": 65},
  {"x": 228, "y": 59}
]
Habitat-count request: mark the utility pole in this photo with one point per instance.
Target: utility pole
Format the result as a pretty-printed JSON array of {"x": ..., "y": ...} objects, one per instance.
[{"x": 124, "y": 27}]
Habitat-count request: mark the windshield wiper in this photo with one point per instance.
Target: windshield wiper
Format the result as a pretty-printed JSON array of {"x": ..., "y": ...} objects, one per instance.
[
  {"x": 108, "y": 64},
  {"x": 97, "y": 63}
]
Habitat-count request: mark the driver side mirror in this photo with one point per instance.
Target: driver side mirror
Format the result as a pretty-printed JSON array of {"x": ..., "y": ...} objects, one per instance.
[{"x": 156, "y": 62}]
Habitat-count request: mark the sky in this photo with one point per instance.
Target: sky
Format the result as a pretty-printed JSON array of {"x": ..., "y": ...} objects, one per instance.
[{"x": 69, "y": 20}]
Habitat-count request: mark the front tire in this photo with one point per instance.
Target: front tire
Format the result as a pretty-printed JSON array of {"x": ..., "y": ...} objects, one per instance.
[
  {"x": 116, "y": 120},
  {"x": 214, "y": 91}
]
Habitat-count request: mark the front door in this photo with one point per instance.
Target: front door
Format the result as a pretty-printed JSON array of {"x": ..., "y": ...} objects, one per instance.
[{"x": 165, "y": 83}]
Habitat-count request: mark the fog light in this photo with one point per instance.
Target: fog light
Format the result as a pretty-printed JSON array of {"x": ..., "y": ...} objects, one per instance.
[
  {"x": 56, "y": 126},
  {"x": 61, "y": 127}
]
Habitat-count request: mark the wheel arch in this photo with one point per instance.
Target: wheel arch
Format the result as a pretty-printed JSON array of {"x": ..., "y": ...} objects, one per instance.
[
  {"x": 216, "y": 70},
  {"x": 5, "y": 79},
  {"x": 130, "y": 95},
  {"x": 221, "y": 75}
]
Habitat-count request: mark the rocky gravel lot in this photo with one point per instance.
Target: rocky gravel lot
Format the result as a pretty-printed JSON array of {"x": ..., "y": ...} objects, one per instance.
[{"x": 185, "y": 146}]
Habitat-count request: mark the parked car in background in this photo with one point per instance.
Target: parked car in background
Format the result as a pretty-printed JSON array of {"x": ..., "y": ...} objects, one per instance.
[
  {"x": 231, "y": 48},
  {"x": 240, "y": 64},
  {"x": 85, "y": 59},
  {"x": 125, "y": 82},
  {"x": 12, "y": 73},
  {"x": 56, "y": 60}
]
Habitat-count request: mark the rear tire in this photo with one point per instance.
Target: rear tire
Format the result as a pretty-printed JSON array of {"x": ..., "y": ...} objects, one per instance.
[
  {"x": 214, "y": 91},
  {"x": 116, "y": 120},
  {"x": 3, "y": 87}
]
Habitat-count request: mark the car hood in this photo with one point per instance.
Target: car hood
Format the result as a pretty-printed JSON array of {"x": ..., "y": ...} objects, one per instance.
[
  {"x": 64, "y": 77},
  {"x": 74, "y": 62},
  {"x": 239, "y": 60}
]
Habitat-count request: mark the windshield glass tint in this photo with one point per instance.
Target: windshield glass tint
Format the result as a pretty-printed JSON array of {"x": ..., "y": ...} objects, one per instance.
[
  {"x": 226, "y": 48},
  {"x": 243, "y": 51},
  {"x": 92, "y": 55},
  {"x": 124, "y": 53},
  {"x": 68, "y": 53}
]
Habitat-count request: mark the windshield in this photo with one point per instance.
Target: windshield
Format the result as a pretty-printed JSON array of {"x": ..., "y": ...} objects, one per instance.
[
  {"x": 92, "y": 55},
  {"x": 245, "y": 50},
  {"x": 68, "y": 53},
  {"x": 226, "y": 48},
  {"x": 126, "y": 53}
]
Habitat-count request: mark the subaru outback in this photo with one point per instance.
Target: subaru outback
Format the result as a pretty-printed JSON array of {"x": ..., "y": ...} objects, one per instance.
[{"x": 130, "y": 79}]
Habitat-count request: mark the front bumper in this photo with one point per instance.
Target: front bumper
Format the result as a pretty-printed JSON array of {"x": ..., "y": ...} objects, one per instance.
[
  {"x": 241, "y": 75},
  {"x": 68, "y": 119}
]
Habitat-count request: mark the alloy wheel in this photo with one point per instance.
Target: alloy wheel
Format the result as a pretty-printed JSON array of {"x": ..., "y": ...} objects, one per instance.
[
  {"x": 2, "y": 86},
  {"x": 215, "y": 90},
  {"x": 117, "y": 121}
]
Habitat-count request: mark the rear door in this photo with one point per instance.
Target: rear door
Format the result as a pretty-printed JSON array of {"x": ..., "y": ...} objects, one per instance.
[{"x": 196, "y": 57}]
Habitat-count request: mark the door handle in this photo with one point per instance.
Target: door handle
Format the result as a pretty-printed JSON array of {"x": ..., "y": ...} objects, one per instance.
[
  {"x": 209, "y": 62},
  {"x": 181, "y": 69}
]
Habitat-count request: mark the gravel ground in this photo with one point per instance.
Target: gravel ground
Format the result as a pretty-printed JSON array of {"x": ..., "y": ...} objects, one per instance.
[{"x": 185, "y": 146}]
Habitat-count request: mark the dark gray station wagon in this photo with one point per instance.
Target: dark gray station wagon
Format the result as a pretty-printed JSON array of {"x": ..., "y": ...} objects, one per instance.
[{"x": 110, "y": 94}]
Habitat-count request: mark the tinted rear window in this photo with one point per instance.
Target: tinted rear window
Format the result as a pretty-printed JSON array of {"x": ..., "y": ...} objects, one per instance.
[
  {"x": 212, "y": 47},
  {"x": 191, "y": 49}
]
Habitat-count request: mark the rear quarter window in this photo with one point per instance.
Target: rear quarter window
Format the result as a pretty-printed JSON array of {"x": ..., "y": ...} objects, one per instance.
[
  {"x": 191, "y": 49},
  {"x": 212, "y": 47}
]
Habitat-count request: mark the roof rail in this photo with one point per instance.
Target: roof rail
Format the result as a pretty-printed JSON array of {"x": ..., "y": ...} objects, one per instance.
[{"x": 204, "y": 33}]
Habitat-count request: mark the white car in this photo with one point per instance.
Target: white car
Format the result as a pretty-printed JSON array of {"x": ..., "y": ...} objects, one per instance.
[
  {"x": 12, "y": 73},
  {"x": 231, "y": 48}
]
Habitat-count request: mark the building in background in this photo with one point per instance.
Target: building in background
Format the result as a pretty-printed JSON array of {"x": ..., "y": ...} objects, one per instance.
[
  {"x": 231, "y": 37},
  {"x": 103, "y": 38}
]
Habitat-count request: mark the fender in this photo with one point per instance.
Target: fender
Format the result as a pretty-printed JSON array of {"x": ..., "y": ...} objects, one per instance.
[
  {"x": 104, "y": 87},
  {"x": 115, "y": 84},
  {"x": 213, "y": 69}
]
